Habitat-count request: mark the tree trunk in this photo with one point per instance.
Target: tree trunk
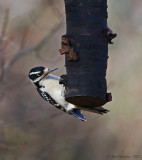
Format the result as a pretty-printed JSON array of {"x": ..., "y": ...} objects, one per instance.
[{"x": 86, "y": 22}]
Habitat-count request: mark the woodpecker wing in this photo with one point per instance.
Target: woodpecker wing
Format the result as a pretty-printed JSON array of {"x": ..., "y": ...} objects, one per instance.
[
  {"x": 75, "y": 112},
  {"x": 48, "y": 98}
]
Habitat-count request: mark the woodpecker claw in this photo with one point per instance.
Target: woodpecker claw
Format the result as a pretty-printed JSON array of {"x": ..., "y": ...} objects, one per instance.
[{"x": 63, "y": 79}]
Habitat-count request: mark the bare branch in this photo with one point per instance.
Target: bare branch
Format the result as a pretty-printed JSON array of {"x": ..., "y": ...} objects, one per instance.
[
  {"x": 28, "y": 51},
  {"x": 4, "y": 26},
  {"x": 2, "y": 38},
  {"x": 23, "y": 41}
]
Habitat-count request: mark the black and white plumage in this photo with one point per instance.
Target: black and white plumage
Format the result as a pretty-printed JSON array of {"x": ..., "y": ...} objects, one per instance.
[{"x": 50, "y": 90}]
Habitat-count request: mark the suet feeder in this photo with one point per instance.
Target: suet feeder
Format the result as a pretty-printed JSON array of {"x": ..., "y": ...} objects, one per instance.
[{"x": 85, "y": 46}]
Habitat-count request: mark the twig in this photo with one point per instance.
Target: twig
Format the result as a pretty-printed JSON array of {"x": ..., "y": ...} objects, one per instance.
[
  {"x": 5, "y": 24},
  {"x": 23, "y": 41},
  {"x": 2, "y": 44},
  {"x": 28, "y": 51}
]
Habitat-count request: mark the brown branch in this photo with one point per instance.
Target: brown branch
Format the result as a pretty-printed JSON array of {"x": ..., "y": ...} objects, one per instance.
[
  {"x": 2, "y": 36},
  {"x": 28, "y": 51},
  {"x": 23, "y": 41},
  {"x": 4, "y": 26}
]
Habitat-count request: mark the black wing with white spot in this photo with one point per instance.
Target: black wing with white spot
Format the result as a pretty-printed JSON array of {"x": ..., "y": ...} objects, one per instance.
[
  {"x": 75, "y": 112},
  {"x": 48, "y": 98}
]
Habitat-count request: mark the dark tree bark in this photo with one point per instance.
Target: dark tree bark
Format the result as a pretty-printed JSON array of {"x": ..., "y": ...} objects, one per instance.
[{"x": 86, "y": 28}]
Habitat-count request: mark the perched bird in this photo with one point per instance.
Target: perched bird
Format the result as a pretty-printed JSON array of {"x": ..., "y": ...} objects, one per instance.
[{"x": 50, "y": 90}]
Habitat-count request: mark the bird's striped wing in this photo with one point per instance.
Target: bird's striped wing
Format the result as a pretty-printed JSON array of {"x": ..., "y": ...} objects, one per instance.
[
  {"x": 48, "y": 98},
  {"x": 75, "y": 112}
]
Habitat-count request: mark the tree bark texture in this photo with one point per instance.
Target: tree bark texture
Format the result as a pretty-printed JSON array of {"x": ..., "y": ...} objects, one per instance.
[{"x": 86, "y": 22}]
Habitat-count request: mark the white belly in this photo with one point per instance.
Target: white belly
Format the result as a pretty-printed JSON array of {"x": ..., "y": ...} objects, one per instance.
[{"x": 55, "y": 90}]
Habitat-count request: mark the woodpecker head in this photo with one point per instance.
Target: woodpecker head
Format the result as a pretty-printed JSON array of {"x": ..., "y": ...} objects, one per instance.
[{"x": 38, "y": 73}]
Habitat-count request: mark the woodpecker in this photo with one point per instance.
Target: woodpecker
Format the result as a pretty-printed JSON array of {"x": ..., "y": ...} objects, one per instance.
[{"x": 51, "y": 90}]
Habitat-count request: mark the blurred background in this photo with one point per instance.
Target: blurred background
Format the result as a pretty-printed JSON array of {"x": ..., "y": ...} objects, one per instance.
[{"x": 30, "y": 128}]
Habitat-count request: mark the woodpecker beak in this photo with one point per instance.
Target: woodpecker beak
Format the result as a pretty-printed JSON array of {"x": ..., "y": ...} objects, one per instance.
[
  {"x": 48, "y": 70},
  {"x": 51, "y": 70}
]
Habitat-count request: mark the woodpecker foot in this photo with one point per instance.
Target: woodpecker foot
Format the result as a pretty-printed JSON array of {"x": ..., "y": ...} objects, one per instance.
[{"x": 63, "y": 79}]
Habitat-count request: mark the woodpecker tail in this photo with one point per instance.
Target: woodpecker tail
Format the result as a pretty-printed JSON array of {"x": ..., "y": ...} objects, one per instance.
[
  {"x": 98, "y": 110},
  {"x": 77, "y": 113}
]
